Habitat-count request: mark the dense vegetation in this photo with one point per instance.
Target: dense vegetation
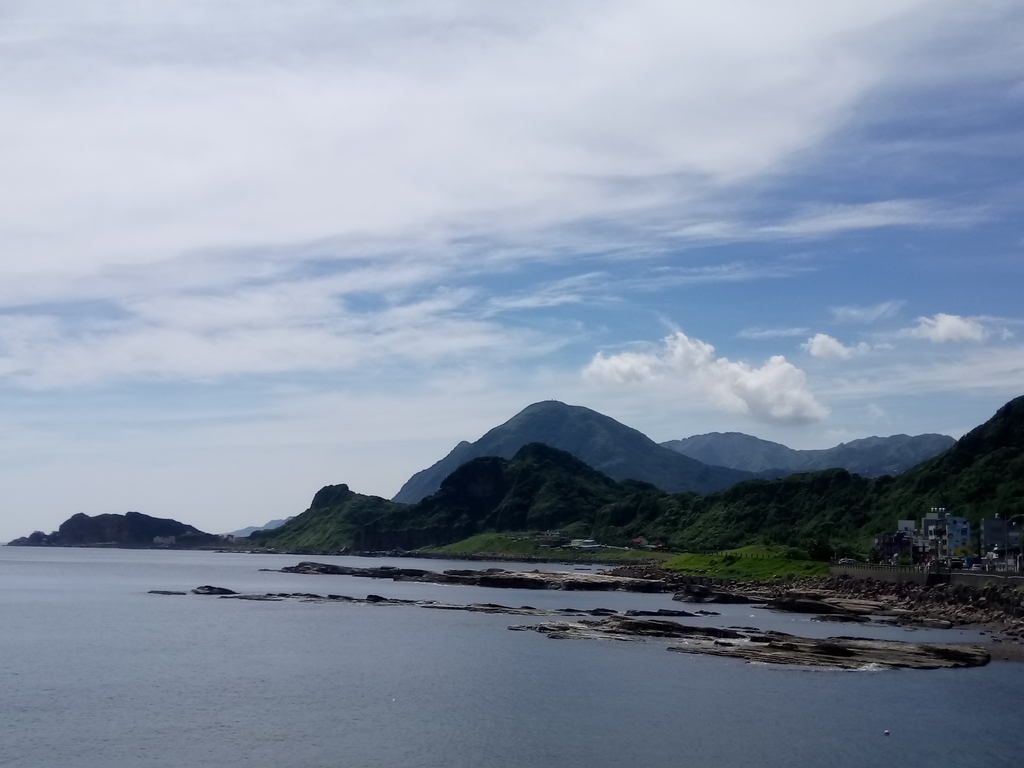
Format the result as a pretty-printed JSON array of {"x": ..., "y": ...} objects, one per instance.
[{"x": 542, "y": 488}]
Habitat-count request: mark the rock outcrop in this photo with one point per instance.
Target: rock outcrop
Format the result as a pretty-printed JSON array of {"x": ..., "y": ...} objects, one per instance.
[
  {"x": 208, "y": 590},
  {"x": 491, "y": 577},
  {"x": 771, "y": 647}
]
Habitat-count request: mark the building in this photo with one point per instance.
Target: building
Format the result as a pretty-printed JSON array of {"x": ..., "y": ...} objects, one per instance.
[
  {"x": 946, "y": 535},
  {"x": 892, "y": 546},
  {"x": 996, "y": 534}
]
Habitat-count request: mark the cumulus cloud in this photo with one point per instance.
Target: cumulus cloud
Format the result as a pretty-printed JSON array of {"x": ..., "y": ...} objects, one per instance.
[
  {"x": 870, "y": 314},
  {"x": 825, "y": 346},
  {"x": 776, "y": 391},
  {"x": 943, "y": 327}
]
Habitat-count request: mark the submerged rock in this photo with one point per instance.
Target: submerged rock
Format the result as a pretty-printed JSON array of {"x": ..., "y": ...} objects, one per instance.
[
  {"x": 772, "y": 647},
  {"x": 700, "y": 593}
]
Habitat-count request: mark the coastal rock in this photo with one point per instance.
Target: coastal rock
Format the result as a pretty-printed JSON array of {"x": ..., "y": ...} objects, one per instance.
[
  {"x": 701, "y": 593},
  {"x": 622, "y": 627},
  {"x": 496, "y": 578},
  {"x": 208, "y": 590},
  {"x": 772, "y": 647},
  {"x": 842, "y": 618},
  {"x": 165, "y": 592}
]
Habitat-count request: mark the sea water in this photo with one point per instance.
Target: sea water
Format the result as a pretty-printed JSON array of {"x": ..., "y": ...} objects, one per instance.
[{"x": 94, "y": 671}]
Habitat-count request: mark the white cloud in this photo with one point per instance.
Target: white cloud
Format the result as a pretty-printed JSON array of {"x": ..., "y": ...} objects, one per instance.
[
  {"x": 884, "y": 213},
  {"x": 825, "y": 346},
  {"x": 943, "y": 327},
  {"x": 302, "y": 325},
  {"x": 870, "y": 314},
  {"x": 776, "y": 391},
  {"x": 771, "y": 333},
  {"x": 134, "y": 135},
  {"x": 997, "y": 370}
]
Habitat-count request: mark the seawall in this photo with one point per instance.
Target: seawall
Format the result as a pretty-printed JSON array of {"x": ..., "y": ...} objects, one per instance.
[{"x": 896, "y": 574}]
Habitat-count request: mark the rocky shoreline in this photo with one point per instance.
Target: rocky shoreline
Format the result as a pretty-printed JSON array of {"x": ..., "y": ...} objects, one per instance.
[
  {"x": 771, "y": 647},
  {"x": 495, "y": 578},
  {"x": 747, "y": 643},
  {"x": 842, "y": 598},
  {"x": 839, "y": 599}
]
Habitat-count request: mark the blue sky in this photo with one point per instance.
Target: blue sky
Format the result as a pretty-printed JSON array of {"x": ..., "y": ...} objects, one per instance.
[{"x": 248, "y": 249}]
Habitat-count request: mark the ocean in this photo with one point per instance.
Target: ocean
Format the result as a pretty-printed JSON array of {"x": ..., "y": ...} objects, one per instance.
[{"x": 94, "y": 671}]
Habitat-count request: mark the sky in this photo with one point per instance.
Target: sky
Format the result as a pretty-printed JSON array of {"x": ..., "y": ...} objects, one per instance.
[{"x": 248, "y": 249}]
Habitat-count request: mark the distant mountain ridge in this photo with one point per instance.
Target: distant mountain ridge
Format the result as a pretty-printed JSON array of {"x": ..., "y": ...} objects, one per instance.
[
  {"x": 600, "y": 441},
  {"x": 868, "y": 457},
  {"x": 241, "y": 533}
]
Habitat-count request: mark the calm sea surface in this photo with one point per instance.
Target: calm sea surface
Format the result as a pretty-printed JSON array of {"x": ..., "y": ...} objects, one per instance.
[{"x": 96, "y": 672}]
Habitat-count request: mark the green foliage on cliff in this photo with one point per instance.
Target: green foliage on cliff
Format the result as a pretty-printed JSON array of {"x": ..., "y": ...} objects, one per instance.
[
  {"x": 542, "y": 488},
  {"x": 335, "y": 521}
]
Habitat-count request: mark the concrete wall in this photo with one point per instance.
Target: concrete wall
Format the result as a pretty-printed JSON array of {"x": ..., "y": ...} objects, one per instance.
[
  {"x": 894, "y": 574},
  {"x": 975, "y": 579}
]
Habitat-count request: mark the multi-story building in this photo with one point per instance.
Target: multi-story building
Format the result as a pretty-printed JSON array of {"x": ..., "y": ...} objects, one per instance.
[
  {"x": 946, "y": 534},
  {"x": 997, "y": 535}
]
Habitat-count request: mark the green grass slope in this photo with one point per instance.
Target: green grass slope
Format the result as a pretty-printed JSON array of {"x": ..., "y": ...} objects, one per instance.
[
  {"x": 749, "y": 564},
  {"x": 518, "y": 545}
]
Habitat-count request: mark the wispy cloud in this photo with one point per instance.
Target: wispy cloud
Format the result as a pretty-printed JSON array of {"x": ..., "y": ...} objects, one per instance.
[
  {"x": 869, "y": 314},
  {"x": 996, "y": 370},
  {"x": 414, "y": 122},
  {"x": 301, "y": 326},
  {"x": 826, "y": 220},
  {"x": 771, "y": 333}
]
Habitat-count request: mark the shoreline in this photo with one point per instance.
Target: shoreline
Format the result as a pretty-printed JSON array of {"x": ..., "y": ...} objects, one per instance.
[
  {"x": 998, "y": 610},
  {"x": 411, "y": 554}
]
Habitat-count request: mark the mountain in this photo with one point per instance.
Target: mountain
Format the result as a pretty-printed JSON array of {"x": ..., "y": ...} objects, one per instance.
[
  {"x": 736, "y": 451},
  {"x": 980, "y": 476},
  {"x": 540, "y": 488},
  {"x": 869, "y": 457},
  {"x": 543, "y": 488},
  {"x": 619, "y": 451},
  {"x": 241, "y": 533},
  {"x": 131, "y": 529}
]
